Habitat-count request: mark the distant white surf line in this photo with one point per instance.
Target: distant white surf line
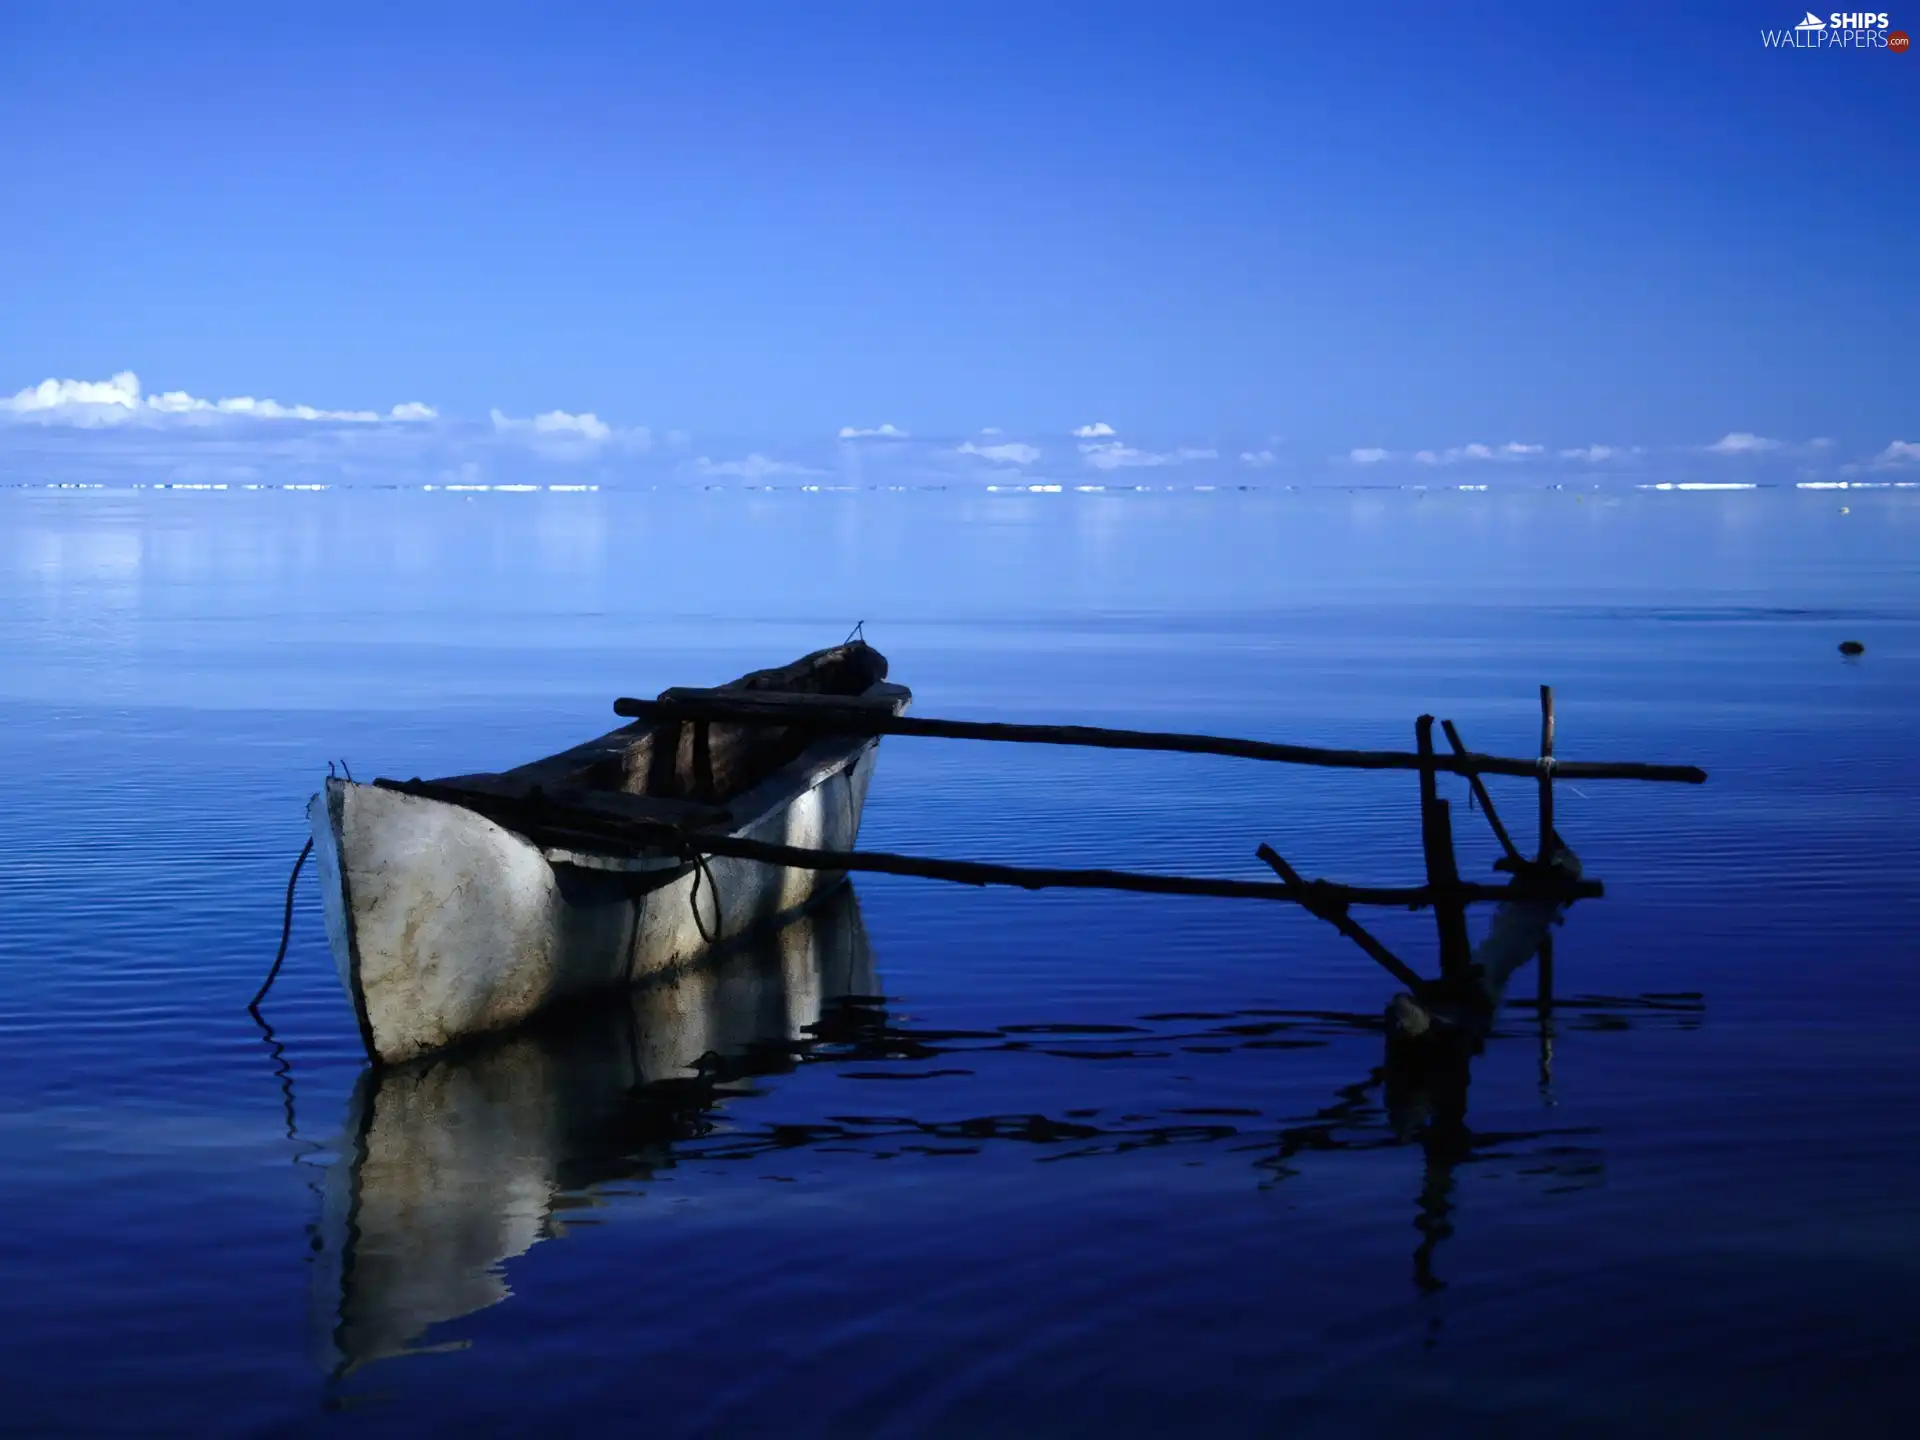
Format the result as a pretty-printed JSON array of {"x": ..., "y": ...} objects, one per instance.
[
  {"x": 1858, "y": 485},
  {"x": 1012, "y": 488},
  {"x": 1700, "y": 485}
]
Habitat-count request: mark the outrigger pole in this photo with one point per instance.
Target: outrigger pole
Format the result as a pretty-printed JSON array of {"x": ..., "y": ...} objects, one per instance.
[
  {"x": 1456, "y": 1007},
  {"x": 634, "y": 822},
  {"x": 1551, "y": 878},
  {"x": 841, "y": 715}
]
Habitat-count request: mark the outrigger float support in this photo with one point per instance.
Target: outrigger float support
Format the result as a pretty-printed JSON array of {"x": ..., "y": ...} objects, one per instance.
[
  {"x": 465, "y": 905},
  {"x": 1448, "y": 1015}
]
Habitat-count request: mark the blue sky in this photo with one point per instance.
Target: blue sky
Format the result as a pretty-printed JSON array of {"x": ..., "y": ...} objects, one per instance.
[{"x": 1261, "y": 239}]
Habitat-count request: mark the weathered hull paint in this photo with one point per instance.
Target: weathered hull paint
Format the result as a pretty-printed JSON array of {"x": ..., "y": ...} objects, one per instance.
[{"x": 446, "y": 926}]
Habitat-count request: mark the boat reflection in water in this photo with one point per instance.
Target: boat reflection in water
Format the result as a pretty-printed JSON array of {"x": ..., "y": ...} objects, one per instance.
[{"x": 454, "y": 1164}]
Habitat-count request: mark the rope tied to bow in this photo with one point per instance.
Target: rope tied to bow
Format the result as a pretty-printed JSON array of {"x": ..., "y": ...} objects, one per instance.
[
  {"x": 286, "y": 932},
  {"x": 698, "y": 859}
]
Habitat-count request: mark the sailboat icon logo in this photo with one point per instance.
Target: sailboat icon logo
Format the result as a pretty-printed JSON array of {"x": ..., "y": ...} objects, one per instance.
[{"x": 1842, "y": 30}]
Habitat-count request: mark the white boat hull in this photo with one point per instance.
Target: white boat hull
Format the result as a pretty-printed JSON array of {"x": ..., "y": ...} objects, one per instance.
[{"x": 446, "y": 925}]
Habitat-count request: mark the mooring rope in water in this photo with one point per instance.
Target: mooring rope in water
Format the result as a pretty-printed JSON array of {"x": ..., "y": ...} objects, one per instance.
[{"x": 286, "y": 932}]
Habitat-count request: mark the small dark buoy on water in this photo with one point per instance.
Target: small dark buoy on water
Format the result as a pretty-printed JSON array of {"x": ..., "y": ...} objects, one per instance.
[{"x": 1852, "y": 647}]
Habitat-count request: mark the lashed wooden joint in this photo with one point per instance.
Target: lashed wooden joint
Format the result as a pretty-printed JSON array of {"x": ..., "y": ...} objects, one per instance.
[{"x": 1316, "y": 897}]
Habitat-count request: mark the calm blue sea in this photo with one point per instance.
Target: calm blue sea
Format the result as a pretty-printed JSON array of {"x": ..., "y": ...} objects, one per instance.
[{"x": 1045, "y": 1164}]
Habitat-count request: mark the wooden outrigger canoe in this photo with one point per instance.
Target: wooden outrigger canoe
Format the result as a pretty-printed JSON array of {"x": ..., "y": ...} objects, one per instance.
[{"x": 464, "y": 906}]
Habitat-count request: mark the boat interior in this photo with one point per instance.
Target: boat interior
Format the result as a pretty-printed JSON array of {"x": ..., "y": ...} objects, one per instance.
[{"x": 691, "y": 770}]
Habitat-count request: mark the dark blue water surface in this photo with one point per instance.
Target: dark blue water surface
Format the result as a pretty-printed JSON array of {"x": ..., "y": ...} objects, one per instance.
[{"x": 1068, "y": 1163}]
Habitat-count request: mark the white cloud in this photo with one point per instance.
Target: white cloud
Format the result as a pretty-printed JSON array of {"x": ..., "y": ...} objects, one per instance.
[
  {"x": 273, "y": 409},
  {"x": 878, "y": 432},
  {"x": 1113, "y": 455},
  {"x": 122, "y": 391},
  {"x": 991, "y": 430},
  {"x": 121, "y": 400},
  {"x": 1259, "y": 459},
  {"x": 754, "y": 467},
  {"x": 1013, "y": 452},
  {"x": 1367, "y": 455},
  {"x": 116, "y": 429},
  {"x": 556, "y": 424},
  {"x": 559, "y": 422},
  {"x": 1741, "y": 442},
  {"x": 1591, "y": 454},
  {"x": 1512, "y": 450},
  {"x": 1094, "y": 431},
  {"x": 178, "y": 402},
  {"x": 1900, "y": 452}
]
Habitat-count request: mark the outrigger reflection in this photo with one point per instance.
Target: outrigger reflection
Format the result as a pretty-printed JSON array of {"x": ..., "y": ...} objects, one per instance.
[
  {"x": 452, "y": 1166},
  {"x": 467, "y": 905}
]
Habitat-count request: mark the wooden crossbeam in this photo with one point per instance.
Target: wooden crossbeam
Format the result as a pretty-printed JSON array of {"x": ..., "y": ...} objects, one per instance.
[
  {"x": 852, "y": 716},
  {"x": 593, "y": 824}
]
